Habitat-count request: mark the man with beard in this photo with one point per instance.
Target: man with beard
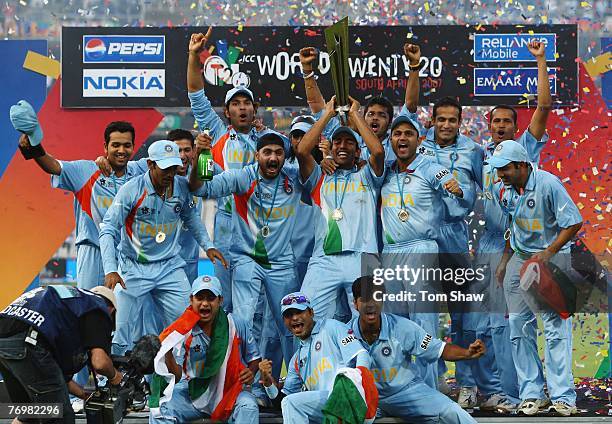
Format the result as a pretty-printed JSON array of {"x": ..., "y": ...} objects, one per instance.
[
  {"x": 411, "y": 210},
  {"x": 325, "y": 346},
  {"x": 204, "y": 380},
  {"x": 391, "y": 341},
  {"x": 345, "y": 208},
  {"x": 266, "y": 195},
  {"x": 543, "y": 221},
  {"x": 503, "y": 126},
  {"x": 233, "y": 145},
  {"x": 144, "y": 221}
]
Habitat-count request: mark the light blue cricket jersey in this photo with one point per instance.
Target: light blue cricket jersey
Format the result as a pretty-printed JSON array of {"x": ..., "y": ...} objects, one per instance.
[
  {"x": 462, "y": 158},
  {"x": 391, "y": 355},
  {"x": 423, "y": 189},
  {"x": 331, "y": 345},
  {"x": 93, "y": 193},
  {"x": 356, "y": 193},
  {"x": 495, "y": 219},
  {"x": 190, "y": 249},
  {"x": 253, "y": 199},
  {"x": 138, "y": 214},
  {"x": 539, "y": 215}
]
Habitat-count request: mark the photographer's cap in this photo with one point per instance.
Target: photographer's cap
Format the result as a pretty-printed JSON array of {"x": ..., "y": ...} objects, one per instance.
[
  {"x": 206, "y": 282},
  {"x": 241, "y": 89},
  {"x": 106, "y": 293},
  {"x": 165, "y": 153},
  {"x": 506, "y": 152},
  {"x": 24, "y": 119}
]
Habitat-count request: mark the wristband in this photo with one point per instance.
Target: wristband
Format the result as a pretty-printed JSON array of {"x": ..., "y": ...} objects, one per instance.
[
  {"x": 271, "y": 391},
  {"x": 32, "y": 152},
  {"x": 310, "y": 75},
  {"x": 416, "y": 67},
  {"x": 330, "y": 157}
]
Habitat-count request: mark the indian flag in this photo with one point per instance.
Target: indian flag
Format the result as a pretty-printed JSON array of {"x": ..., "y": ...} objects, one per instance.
[
  {"x": 353, "y": 399},
  {"x": 213, "y": 389}
]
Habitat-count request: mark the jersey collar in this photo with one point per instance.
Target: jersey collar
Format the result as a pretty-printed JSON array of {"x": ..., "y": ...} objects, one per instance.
[
  {"x": 384, "y": 328},
  {"x": 315, "y": 330},
  {"x": 151, "y": 189}
]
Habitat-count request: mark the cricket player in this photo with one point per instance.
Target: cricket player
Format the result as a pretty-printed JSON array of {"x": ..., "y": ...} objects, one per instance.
[
  {"x": 266, "y": 195},
  {"x": 325, "y": 345},
  {"x": 391, "y": 341},
  {"x": 345, "y": 209},
  {"x": 233, "y": 146},
  {"x": 199, "y": 366},
  {"x": 493, "y": 328},
  {"x": 93, "y": 192},
  {"x": 463, "y": 158},
  {"x": 145, "y": 221},
  {"x": 543, "y": 221},
  {"x": 411, "y": 209}
]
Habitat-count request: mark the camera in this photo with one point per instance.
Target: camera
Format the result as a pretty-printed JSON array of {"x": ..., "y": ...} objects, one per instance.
[{"x": 109, "y": 404}]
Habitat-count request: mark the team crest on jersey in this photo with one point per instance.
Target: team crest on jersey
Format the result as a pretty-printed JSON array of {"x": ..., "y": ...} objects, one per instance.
[
  {"x": 145, "y": 210},
  {"x": 177, "y": 209},
  {"x": 318, "y": 345},
  {"x": 206, "y": 279},
  {"x": 531, "y": 203},
  {"x": 233, "y": 136},
  {"x": 192, "y": 203},
  {"x": 102, "y": 182},
  {"x": 386, "y": 351},
  {"x": 407, "y": 179},
  {"x": 197, "y": 348},
  {"x": 288, "y": 187},
  {"x": 499, "y": 147},
  {"x": 505, "y": 201},
  {"x": 454, "y": 156}
]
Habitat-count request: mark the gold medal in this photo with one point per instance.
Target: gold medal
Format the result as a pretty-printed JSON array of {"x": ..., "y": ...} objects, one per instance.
[
  {"x": 337, "y": 214},
  {"x": 403, "y": 215},
  {"x": 265, "y": 231},
  {"x": 160, "y": 237}
]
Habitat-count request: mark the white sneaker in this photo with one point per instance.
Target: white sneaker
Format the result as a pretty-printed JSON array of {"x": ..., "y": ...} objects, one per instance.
[
  {"x": 77, "y": 405},
  {"x": 532, "y": 406},
  {"x": 498, "y": 403},
  {"x": 564, "y": 409},
  {"x": 467, "y": 397},
  {"x": 443, "y": 386}
]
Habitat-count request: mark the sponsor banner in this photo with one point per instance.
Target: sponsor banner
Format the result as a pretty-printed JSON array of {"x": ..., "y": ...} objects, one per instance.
[
  {"x": 124, "y": 83},
  {"x": 266, "y": 59},
  {"x": 510, "y": 81},
  {"x": 124, "y": 49},
  {"x": 511, "y": 47}
]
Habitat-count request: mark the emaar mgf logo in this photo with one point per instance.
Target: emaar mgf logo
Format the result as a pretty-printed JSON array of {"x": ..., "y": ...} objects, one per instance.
[{"x": 511, "y": 47}]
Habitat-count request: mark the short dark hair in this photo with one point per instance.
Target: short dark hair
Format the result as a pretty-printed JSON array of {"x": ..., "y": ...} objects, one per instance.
[
  {"x": 119, "y": 126},
  {"x": 364, "y": 288},
  {"x": 180, "y": 134},
  {"x": 446, "y": 101},
  {"x": 506, "y": 107},
  {"x": 382, "y": 101}
]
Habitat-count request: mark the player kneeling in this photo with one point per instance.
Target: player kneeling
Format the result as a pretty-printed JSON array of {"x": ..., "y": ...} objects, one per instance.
[
  {"x": 391, "y": 340},
  {"x": 205, "y": 352},
  {"x": 328, "y": 377}
]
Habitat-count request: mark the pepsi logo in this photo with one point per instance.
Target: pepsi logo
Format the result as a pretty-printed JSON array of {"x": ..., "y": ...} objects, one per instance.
[{"x": 95, "y": 48}]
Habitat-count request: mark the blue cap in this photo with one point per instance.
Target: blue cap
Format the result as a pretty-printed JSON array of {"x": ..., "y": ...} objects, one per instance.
[
  {"x": 24, "y": 120},
  {"x": 302, "y": 123},
  {"x": 349, "y": 131},
  {"x": 165, "y": 153},
  {"x": 295, "y": 300},
  {"x": 268, "y": 136},
  {"x": 403, "y": 119},
  {"x": 506, "y": 152},
  {"x": 241, "y": 89},
  {"x": 206, "y": 282}
]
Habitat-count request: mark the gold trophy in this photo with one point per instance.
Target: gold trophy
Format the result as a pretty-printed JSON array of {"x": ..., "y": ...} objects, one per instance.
[{"x": 336, "y": 38}]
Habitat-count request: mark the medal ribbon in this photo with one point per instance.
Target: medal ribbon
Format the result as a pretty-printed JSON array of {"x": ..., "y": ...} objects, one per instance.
[{"x": 264, "y": 221}]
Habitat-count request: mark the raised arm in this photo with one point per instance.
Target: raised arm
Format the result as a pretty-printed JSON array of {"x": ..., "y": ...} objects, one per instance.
[
  {"x": 537, "y": 126},
  {"x": 377, "y": 152},
  {"x": 194, "y": 68},
  {"x": 308, "y": 60},
  {"x": 311, "y": 140},
  {"x": 413, "y": 53},
  {"x": 46, "y": 162}
]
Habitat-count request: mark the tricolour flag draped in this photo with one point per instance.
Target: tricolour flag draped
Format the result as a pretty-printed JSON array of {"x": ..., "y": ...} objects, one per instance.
[
  {"x": 353, "y": 399},
  {"x": 216, "y": 387}
]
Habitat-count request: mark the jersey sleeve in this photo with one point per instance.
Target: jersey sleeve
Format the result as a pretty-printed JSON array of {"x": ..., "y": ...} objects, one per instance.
[
  {"x": 331, "y": 126},
  {"x": 248, "y": 347},
  {"x": 533, "y": 146},
  {"x": 138, "y": 167},
  {"x": 225, "y": 184},
  {"x": 74, "y": 174},
  {"x": 205, "y": 115},
  {"x": 372, "y": 178},
  {"x": 110, "y": 227},
  {"x": 561, "y": 204},
  {"x": 312, "y": 180},
  {"x": 293, "y": 382},
  {"x": 345, "y": 340},
  {"x": 192, "y": 220},
  {"x": 416, "y": 341},
  {"x": 415, "y": 117}
]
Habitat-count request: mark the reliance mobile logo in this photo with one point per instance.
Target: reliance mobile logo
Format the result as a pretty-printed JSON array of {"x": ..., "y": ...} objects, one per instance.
[
  {"x": 124, "y": 49},
  {"x": 124, "y": 82}
]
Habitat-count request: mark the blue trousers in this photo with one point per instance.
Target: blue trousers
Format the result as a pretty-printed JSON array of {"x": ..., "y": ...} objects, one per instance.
[
  {"x": 223, "y": 242},
  {"x": 180, "y": 409},
  {"x": 423, "y": 404},
  {"x": 304, "y": 407},
  {"x": 523, "y": 335},
  {"x": 164, "y": 282},
  {"x": 249, "y": 278},
  {"x": 417, "y": 254},
  {"x": 90, "y": 272}
]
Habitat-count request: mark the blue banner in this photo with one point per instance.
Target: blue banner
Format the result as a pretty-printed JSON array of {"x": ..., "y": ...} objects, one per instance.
[
  {"x": 606, "y": 78},
  {"x": 510, "y": 81},
  {"x": 511, "y": 47},
  {"x": 124, "y": 49}
]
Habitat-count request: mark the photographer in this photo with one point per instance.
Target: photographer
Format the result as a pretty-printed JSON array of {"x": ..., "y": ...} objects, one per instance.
[{"x": 45, "y": 335}]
